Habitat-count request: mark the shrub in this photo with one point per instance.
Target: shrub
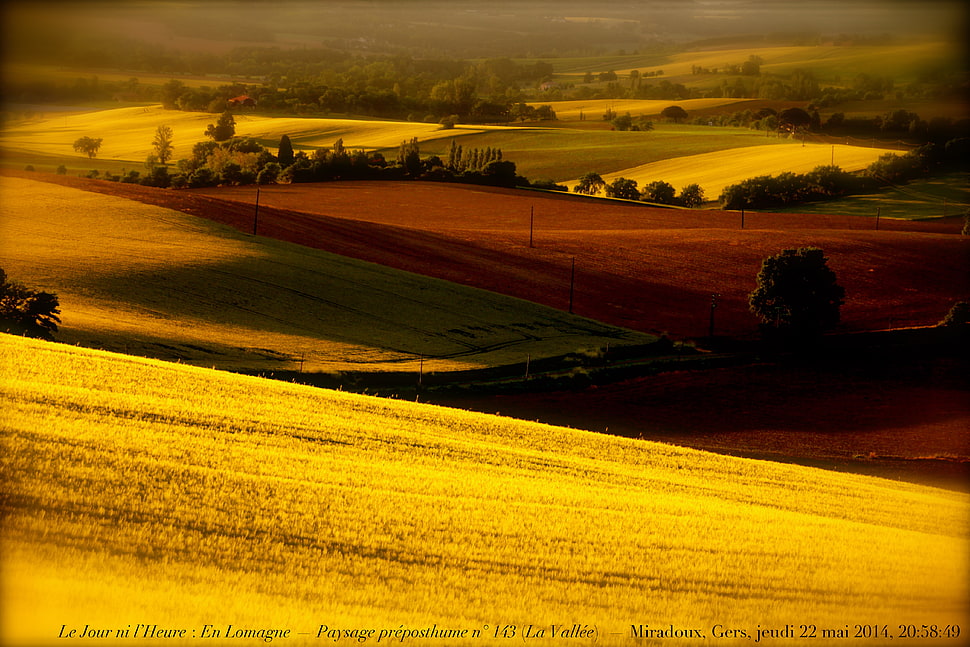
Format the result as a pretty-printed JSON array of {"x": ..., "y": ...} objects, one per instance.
[
  {"x": 27, "y": 312},
  {"x": 959, "y": 315}
]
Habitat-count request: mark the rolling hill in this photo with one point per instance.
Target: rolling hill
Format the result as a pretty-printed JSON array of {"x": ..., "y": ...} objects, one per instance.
[
  {"x": 151, "y": 281},
  {"x": 143, "y": 491}
]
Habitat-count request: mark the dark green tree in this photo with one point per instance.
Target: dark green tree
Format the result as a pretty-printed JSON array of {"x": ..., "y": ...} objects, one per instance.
[
  {"x": 660, "y": 192},
  {"x": 409, "y": 157},
  {"x": 674, "y": 113},
  {"x": 623, "y": 188},
  {"x": 88, "y": 145},
  {"x": 223, "y": 129},
  {"x": 623, "y": 122},
  {"x": 501, "y": 173},
  {"x": 590, "y": 184},
  {"x": 798, "y": 293},
  {"x": 163, "y": 144},
  {"x": 691, "y": 196},
  {"x": 27, "y": 312},
  {"x": 794, "y": 119},
  {"x": 285, "y": 154},
  {"x": 171, "y": 92}
]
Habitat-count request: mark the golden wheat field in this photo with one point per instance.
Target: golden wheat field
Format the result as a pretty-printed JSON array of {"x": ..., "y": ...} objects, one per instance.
[
  {"x": 128, "y": 132},
  {"x": 717, "y": 170},
  {"x": 594, "y": 109},
  {"x": 139, "y": 492}
]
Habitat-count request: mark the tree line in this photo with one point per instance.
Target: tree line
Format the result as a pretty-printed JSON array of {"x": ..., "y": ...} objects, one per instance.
[
  {"x": 822, "y": 183},
  {"x": 828, "y": 182}
]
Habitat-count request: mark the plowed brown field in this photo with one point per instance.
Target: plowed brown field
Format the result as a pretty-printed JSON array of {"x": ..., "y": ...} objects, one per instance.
[{"x": 645, "y": 268}]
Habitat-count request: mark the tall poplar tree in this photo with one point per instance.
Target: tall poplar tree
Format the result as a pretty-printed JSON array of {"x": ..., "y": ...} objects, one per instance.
[{"x": 163, "y": 144}]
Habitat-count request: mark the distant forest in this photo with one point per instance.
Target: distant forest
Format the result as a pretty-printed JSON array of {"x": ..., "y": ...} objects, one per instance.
[{"x": 324, "y": 82}]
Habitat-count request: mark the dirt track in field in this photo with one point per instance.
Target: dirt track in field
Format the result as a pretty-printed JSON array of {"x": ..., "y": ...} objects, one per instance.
[{"x": 654, "y": 270}]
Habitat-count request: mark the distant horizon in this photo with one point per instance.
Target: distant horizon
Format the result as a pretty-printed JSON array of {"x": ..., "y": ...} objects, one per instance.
[{"x": 536, "y": 28}]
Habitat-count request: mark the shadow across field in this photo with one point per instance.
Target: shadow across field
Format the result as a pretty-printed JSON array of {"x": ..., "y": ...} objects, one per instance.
[{"x": 890, "y": 404}]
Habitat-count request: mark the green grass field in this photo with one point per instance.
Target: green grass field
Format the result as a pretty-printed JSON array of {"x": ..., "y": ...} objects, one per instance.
[
  {"x": 143, "y": 491},
  {"x": 563, "y": 154},
  {"x": 946, "y": 195},
  {"x": 150, "y": 281}
]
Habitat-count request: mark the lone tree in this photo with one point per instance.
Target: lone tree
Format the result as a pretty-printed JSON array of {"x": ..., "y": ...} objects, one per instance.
[
  {"x": 797, "y": 293},
  {"x": 794, "y": 119},
  {"x": 163, "y": 144},
  {"x": 27, "y": 312},
  {"x": 88, "y": 145},
  {"x": 223, "y": 129},
  {"x": 285, "y": 152},
  {"x": 674, "y": 113}
]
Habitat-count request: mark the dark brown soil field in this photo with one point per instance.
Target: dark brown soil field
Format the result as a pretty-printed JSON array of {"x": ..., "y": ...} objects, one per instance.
[
  {"x": 644, "y": 268},
  {"x": 655, "y": 270}
]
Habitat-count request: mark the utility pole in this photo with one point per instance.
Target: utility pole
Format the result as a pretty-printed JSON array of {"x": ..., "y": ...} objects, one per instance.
[
  {"x": 532, "y": 219},
  {"x": 572, "y": 283},
  {"x": 256, "y": 215},
  {"x": 710, "y": 331},
  {"x": 878, "y": 211}
]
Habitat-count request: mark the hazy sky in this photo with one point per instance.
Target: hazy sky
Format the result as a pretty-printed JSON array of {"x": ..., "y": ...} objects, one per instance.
[{"x": 463, "y": 28}]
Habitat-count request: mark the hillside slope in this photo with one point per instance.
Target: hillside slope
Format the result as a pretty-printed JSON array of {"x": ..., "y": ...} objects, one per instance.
[
  {"x": 141, "y": 491},
  {"x": 151, "y": 281}
]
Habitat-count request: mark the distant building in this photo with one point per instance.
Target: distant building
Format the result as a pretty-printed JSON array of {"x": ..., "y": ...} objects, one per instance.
[{"x": 242, "y": 101}]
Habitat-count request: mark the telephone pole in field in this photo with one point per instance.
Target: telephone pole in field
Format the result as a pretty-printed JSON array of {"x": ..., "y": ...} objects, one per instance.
[{"x": 256, "y": 214}]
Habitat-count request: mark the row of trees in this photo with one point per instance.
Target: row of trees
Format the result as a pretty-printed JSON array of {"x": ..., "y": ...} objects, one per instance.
[{"x": 658, "y": 192}]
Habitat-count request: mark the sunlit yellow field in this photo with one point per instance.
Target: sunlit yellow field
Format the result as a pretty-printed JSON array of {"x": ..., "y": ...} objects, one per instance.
[
  {"x": 151, "y": 281},
  {"x": 594, "y": 109},
  {"x": 138, "y": 491},
  {"x": 714, "y": 171},
  {"x": 128, "y": 132}
]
